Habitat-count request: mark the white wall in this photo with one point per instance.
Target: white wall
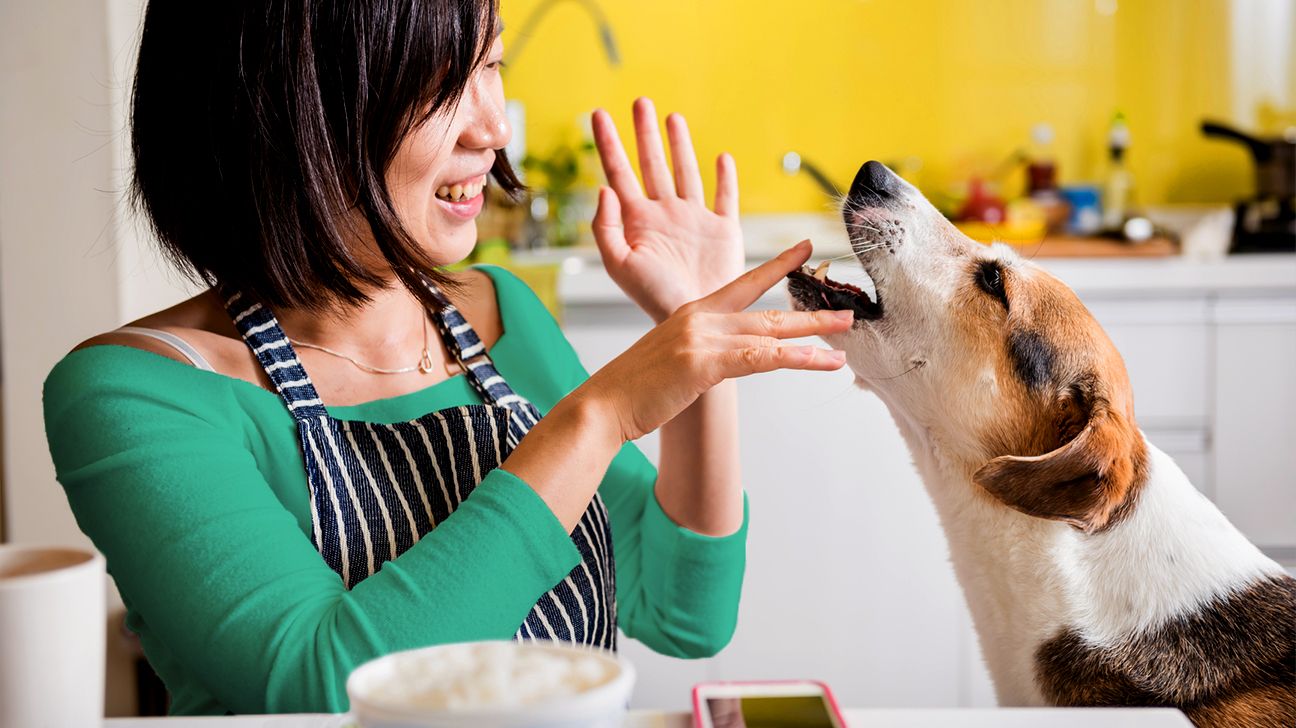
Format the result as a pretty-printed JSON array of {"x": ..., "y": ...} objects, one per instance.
[
  {"x": 57, "y": 254},
  {"x": 73, "y": 259}
]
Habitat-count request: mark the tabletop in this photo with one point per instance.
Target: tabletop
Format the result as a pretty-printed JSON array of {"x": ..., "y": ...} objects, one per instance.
[{"x": 889, "y": 717}]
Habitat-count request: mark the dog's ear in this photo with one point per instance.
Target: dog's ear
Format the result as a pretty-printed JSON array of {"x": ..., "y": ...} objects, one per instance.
[{"x": 1086, "y": 481}]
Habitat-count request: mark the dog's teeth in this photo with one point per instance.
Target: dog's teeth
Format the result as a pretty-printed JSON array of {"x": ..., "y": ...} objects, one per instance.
[{"x": 821, "y": 271}]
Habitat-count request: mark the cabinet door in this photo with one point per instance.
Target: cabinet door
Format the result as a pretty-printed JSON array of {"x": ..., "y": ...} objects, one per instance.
[
  {"x": 1255, "y": 411},
  {"x": 1165, "y": 344}
]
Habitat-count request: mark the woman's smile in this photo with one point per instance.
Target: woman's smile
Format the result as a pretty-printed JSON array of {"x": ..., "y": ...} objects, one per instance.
[{"x": 463, "y": 199}]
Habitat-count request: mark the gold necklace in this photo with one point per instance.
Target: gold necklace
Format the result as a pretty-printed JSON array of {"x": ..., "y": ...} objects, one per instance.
[{"x": 423, "y": 366}]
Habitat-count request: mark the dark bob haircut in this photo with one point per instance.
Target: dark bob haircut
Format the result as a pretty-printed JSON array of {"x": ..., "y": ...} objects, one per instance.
[{"x": 260, "y": 129}]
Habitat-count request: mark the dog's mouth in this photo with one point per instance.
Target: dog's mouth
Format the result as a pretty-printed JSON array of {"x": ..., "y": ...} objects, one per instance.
[{"x": 814, "y": 290}]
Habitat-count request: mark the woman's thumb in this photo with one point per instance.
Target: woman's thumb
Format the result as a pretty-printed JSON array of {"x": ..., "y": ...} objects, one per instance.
[{"x": 609, "y": 231}]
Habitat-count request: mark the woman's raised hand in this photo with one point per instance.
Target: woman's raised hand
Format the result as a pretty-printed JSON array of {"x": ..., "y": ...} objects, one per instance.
[
  {"x": 661, "y": 244},
  {"x": 707, "y": 341}
]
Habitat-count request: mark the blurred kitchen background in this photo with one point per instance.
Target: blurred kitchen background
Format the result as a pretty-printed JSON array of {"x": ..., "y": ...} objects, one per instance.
[{"x": 1074, "y": 129}]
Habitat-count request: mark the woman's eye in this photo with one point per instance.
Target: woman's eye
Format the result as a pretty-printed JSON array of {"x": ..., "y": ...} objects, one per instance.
[
  {"x": 989, "y": 278},
  {"x": 495, "y": 65}
]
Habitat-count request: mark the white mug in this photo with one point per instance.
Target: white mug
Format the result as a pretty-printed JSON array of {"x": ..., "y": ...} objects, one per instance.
[{"x": 52, "y": 632}]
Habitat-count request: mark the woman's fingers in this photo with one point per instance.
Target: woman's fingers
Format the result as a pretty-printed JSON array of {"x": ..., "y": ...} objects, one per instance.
[
  {"x": 688, "y": 181},
  {"x": 726, "y": 197},
  {"x": 748, "y": 287},
  {"x": 788, "y": 324},
  {"x": 652, "y": 157},
  {"x": 616, "y": 166},
  {"x": 761, "y": 359}
]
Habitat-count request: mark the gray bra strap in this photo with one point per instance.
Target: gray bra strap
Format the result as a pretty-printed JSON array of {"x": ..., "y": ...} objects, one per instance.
[{"x": 176, "y": 342}]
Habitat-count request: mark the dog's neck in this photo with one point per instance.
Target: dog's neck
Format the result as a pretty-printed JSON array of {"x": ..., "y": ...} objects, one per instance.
[{"x": 1026, "y": 579}]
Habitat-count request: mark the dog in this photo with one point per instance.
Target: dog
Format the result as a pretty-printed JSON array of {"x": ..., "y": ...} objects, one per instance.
[{"x": 1096, "y": 574}]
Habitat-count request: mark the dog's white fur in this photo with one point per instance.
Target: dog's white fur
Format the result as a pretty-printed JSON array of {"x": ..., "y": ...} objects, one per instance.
[{"x": 1025, "y": 578}]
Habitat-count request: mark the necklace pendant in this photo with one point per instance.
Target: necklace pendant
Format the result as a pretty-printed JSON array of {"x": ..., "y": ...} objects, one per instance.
[{"x": 425, "y": 362}]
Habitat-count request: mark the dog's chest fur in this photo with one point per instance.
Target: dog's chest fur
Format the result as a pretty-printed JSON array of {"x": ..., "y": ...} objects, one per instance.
[{"x": 1170, "y": 606}]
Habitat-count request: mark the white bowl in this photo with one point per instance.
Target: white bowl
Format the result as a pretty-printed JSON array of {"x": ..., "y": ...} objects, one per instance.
[
  {"x": 1204, "y": 231},
  {"x": 408, "y": 689}
]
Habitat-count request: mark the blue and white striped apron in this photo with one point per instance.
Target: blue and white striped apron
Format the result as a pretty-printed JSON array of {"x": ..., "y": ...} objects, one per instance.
[{"x": 375, "y": 489}]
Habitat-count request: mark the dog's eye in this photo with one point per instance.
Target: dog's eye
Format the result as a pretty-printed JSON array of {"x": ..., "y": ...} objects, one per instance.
[{"x": 989, "y": 278}]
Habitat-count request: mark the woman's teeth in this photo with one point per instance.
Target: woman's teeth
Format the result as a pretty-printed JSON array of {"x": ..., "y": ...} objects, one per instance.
[{"x": 460, "y": 193}]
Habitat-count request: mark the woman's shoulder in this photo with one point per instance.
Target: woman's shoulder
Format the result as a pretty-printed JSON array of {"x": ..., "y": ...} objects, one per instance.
[
  {"x": 196, "y": 333},
  {"x": 518, "y": 303},
  {"x": 150, "y": 361},
  {"x": 533, "y": 354},
  {"x": 478, "y": 298}
]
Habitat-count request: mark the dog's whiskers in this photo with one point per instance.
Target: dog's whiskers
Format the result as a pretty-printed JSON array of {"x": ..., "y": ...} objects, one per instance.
[
  {"x": 867, "y": 248},
  {"x": 840, "y": 257},
  {"x": 916, "y": 365}
]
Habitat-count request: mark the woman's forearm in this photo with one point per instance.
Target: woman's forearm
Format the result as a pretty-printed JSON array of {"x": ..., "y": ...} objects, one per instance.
[
  {"x": 564, "y": 457},
  {"x": 699, "y": 481}
]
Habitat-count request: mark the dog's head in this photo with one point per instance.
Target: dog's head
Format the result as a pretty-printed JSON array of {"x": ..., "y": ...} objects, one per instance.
[{"x": 984, "y": 358}]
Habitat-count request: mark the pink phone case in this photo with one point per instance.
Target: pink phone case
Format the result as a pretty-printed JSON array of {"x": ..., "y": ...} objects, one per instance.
[{"x": 827, "y": 691}]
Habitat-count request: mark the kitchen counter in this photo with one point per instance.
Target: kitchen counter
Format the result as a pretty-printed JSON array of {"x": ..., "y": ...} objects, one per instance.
[
  {"x": 584, "y": 282},
  {"x": 892, "y": 718}
]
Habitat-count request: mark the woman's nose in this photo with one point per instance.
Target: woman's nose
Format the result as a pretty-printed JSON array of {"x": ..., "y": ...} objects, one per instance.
[{"x": 486, "y": 125}]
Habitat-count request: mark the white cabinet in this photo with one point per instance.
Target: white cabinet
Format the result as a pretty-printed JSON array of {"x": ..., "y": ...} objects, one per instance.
[
  {"x": 1255, "y": 417},
  {"x": 1166, "y": 347},
  {"x": 1166, "y": 344}
]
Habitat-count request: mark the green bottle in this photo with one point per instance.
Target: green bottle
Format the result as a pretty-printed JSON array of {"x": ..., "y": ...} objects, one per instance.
[{"x": 1118, "y": 189}]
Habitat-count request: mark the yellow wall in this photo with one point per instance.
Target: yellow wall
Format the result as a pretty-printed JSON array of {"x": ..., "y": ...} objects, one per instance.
[{"x": 955, "y": 83}]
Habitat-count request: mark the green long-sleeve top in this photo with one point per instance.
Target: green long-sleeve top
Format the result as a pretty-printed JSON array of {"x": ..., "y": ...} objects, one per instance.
[{"x": 192, "y": 484}]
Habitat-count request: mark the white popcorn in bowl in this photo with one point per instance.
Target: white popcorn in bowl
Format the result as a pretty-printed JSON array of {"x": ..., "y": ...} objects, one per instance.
[{"x": 491, "y": 684}]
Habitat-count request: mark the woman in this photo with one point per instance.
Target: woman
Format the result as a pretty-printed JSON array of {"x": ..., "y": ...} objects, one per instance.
[{"x": 321, "y": 459}]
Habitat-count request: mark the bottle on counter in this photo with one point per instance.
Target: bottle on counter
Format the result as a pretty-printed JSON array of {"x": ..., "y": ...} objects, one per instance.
[
  {"x": 1041, "y": 167},
  {"x": 1042, "y": 177},
  {"x": 1118, "y": 188}
]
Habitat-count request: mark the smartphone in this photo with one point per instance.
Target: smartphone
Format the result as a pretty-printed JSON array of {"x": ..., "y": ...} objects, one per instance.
[{"x": 778, "y": 704}]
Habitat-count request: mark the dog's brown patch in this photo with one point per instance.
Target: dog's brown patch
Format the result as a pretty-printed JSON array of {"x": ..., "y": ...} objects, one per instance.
[
  {"x": 1062, "y": 443},
  {"x": 1091, "y": 482},
  {"x": 1231, "y": 663}
]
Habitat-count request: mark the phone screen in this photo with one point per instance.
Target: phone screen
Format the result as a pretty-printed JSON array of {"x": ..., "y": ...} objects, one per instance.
[{"x": 791, "y": 711}]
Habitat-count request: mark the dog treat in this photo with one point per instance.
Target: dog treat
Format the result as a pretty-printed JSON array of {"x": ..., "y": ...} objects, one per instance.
[{"x": 821, "y": 271}]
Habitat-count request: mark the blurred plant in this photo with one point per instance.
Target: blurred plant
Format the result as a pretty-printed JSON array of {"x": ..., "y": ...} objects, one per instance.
[{"x": 558, "y": 187}]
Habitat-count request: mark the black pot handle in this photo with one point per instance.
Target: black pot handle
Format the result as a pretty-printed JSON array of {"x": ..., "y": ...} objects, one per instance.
[{"x": 1261, "y": 150}]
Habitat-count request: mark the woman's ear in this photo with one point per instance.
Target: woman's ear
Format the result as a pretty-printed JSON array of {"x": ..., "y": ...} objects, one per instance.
[{"x": 1088, "y": 482}]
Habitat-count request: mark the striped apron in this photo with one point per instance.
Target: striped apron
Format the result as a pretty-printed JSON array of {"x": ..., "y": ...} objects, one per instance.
[{"x": 375, "y": 489}]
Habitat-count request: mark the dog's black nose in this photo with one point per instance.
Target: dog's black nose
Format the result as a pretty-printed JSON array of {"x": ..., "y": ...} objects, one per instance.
[{"x": 873, "y": 180}]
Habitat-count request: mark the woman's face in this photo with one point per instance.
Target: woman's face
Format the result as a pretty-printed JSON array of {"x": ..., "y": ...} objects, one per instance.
[{"x": 439, "y": 171}]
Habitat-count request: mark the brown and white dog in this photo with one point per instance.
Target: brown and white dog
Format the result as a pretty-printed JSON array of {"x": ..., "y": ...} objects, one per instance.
[{"x": 1095, "y": 572}]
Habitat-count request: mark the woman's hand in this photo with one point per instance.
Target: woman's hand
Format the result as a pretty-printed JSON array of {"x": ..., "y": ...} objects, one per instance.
[
  {"x": 703, "y": 343},
  {"x": 708, "y": 341},
  {"x": 661, "y": 244}
]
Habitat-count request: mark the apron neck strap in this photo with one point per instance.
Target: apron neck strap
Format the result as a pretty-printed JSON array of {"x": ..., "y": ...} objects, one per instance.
[{"x": 260, "y": 329}]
